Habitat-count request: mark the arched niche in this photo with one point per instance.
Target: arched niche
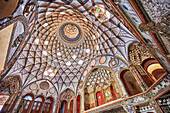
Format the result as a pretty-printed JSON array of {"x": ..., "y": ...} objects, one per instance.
[
  {"x": 145, "y": 64},
  {"x": 10, "y": 85},
  {"x": 130, "y": 83},
  {"x": 153, "y": 68},
  {"x": 113, "y": 92},
  {"x": 66, "y": 97},
  {"x": 86, "y": 99},
  {"x": 101, "y": 86}
]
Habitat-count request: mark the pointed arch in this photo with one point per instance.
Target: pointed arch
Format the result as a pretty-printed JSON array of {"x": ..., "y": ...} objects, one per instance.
[{"x": 130, "y": 83}]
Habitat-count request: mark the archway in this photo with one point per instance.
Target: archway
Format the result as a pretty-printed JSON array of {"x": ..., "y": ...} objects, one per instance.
[
  {"x": 131, "y": 85},
  {"x": 153, "y": 68},
  {"x": 66, "y": 97},
  {"x": 101, "y": 86},
  {"x": 144, "y": 63}
]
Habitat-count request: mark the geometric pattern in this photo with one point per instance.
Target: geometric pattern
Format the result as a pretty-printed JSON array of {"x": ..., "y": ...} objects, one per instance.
[{"x": 45, "y": 56}]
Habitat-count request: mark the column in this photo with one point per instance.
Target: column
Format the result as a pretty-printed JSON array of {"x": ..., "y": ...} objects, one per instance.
[
  {"x": 82, "y": 102},
  {"x": 16, "y": 105},
  {"x": 74, "y": 105},
  {"x": 136, "y": 71},
  {"x": 137, "y": 78},
  {"x": 58, "y": 106},
  {"x": 54, "y": 106},
  {"x": 95, "y": 99}
]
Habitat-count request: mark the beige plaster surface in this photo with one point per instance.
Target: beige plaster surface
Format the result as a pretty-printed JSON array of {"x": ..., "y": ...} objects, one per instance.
[{"x": 5, "y": 35}]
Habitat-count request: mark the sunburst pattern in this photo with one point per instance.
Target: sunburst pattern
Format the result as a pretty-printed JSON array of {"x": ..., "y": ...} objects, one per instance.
[{"x": 47, "y": 56}]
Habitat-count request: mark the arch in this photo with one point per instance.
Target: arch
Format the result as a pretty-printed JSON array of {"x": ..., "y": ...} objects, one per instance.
[
  {"x": 100, "y": 98},
  {"x": 11, "y": 84},
  {"x": 131, "y": 85},
  {"x": 48, "y": 105},
  {"x": 21, "y": 18},
  {"x": 89, "y": 68},
  {"x": 106, "y": 68},
  {"x": 78, "y": 103},
  {"x": 97, "y": 87},
  {"x": 11, "y": 41},
  {"x": 38, "y": 104},
  {"x": 149, "y": 68},
  {"x": 50, "y": 82},
  {"x": 67, "y": 95},
  {"x": 153, "y": 68},
  {"x": 27, "y": 102}
]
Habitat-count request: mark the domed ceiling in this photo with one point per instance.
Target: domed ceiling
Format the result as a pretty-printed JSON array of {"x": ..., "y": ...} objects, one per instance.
[{"x": 68, "y": 34}]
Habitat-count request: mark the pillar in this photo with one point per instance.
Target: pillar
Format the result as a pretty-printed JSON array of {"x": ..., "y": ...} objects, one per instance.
[
  {"x": 137, "y": 78},
  {"x": 18, "y": 100},
  {"x": 10, "y": 103},
  {"x": 54, "y": 106},
  {"x": 74, "y": 104},
  {"x": 58, "y": 106}
]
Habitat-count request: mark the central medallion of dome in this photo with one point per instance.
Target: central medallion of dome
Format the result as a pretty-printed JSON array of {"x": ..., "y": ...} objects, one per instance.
[{"x": 70, "y": 33}]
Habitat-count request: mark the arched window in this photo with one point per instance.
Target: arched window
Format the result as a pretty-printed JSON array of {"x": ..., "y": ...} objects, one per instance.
[
  {"x": 131, "y": 85},
  {"x": 78, "y": 104},
  {"x": 48, "y": 105},
  {"x": 27, "y": 101},
  {"x": 37, "y": 106}
]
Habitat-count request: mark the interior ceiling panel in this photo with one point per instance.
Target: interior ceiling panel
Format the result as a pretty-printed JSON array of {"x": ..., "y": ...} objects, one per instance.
[{"x": 67, "y": 35}]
